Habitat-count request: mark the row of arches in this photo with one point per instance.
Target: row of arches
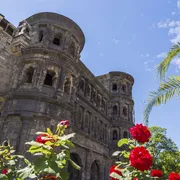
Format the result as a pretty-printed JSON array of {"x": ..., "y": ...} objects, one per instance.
[
  {"x": 93, "y": 95},
  {"x": 116, "y": 109},
  {"x": 49, "y": 80},
  {"x": 92, "y": 125},
  {"x": 58, "y": 41},
  {"x": 77, "y": 175},
  {"x": 116, "y": 136},
  {"x": 122, "y": 88}
]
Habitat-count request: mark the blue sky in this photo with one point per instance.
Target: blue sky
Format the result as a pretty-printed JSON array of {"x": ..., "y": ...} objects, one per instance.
[{"x": 123, "y": 35}]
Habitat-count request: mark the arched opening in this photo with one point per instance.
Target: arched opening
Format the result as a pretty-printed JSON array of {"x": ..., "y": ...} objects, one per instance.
[
  {"x": 115, "y": 135},
  {"x": 27, "y": 31},
  {"x": 74, "y": 174},
  {"x": 125, "y": 111},
  {"x": 81, "y": 85},
  {"x": 95, "y": 171},
  {"x": 49, "y": 78},
  {"x": 41, "y": 35},
  {"x": 124, "y": 88},
  {"x": 88, "y": 90},
  {"x": 29, "y": 74},
  {"x": 114, "y": 87},
  {"x": 57, "y": 40},
  {"x": 125, "y": 134},
  {"x": 72, "y": 48},
  {"x": 115, "y": 110},
  {"x": 67, "y": 86}
]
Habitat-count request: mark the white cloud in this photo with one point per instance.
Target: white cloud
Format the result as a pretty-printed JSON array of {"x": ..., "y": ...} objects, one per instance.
[
  {"x": 178, "y": 3},
  {"x": 116, "y": 41},
  {"x": 173, "y": 29},
  {"x": 145, "y": 55},
  {"x": 176, "y": 62},
  {"x": 162, "y": 55},
  {"x": 101, "y": 54},
  {"x": 148, "y": 65}
]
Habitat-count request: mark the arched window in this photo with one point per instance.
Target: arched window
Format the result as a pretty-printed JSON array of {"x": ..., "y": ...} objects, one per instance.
[
  {"x": 29, "y": 74},
  {"x": 67, "y": 85},
  {"x": 95, "y": 171},
  {"x": 114, "y": 87},
  {"x": 124, "y": 88},
  {"x": 75, "y": 174},
  {"x": 125, "y": 111},
  {"x": 27, "y": 30},
  {"x": 72, "y": 48},
  {"x": 49, "y": 78},
  {"x": 115, "y": 110},
  {"x": 57, "y": 40},
  {"x": 41, "y": 34},
  {"x": 98, "y": 99},
  {"x": 81, "y": 85},
  {"x": 115, "y": 135},
  {"x": 125, "y": 134}
]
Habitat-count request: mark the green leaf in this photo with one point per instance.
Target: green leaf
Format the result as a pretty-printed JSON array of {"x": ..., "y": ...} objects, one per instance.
[
  {"x": 116, "y": 153},
  {"x": 49, "y": 170},
  {"x": 115, "y": 175},
  {"x": 66, "y": 137},
  {"x": 64, "y": 175},
  {"x": 25, "y": 172},
  {"x": 49, "y": 132},
  {"x": 34, "y": 143},
  {"x": 11, "y": 163},
  {"x": 122, "y": 142},
  {"x": 74, "y": 164},
  {"x": 3, "y": 177}
]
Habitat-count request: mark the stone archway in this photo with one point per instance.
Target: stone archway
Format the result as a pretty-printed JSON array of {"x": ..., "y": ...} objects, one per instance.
[
  {"x": 73, "y": 173},
  {"x": 95, "y": 171}
]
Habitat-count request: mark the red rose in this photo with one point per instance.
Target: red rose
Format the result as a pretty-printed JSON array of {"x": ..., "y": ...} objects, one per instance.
[
  {"x": 156, "y": 173},
  {"x": 174, "y": 176},
  {"x": 40, "y": 138},
  {"x": 140, "y": 158},
  {"x": 135, "y": 179},
  {"x": 50, "y": 177},
  {"x": 117, "y": 170},
  {"x": 140, "y": 133},
  {"x": 4, "y": 171},
  {"x": 64, "y": 123}
]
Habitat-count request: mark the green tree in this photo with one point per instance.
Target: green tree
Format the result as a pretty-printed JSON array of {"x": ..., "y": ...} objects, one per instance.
[
  {"x": 169, "y": 86},
  {"x": 164, "y": 150}
]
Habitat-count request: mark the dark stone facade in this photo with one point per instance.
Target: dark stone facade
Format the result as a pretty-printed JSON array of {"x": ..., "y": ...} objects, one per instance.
[{"x": 43, "y": 81}]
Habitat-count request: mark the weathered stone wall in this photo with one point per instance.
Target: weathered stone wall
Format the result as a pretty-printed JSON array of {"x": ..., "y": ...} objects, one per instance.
[
  {"x": 50, "y": 83},
  {"x": 6, "y": 59}
]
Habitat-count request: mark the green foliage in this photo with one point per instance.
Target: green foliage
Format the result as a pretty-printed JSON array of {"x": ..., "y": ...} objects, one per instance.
[
  {"x": 164, "y": 65},
  {"x": 164, "y": 150},
  {"x": 9, "y": 161},
  {"x": 167, "y": 90},
  {"x": 51, "y": 156},
  {"x": 169, "y": 87}
]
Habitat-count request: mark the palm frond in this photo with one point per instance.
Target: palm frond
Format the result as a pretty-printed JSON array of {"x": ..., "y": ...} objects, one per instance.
[
  {"x": 164, "y": 65},
  {"x": 167, "y": 90}
]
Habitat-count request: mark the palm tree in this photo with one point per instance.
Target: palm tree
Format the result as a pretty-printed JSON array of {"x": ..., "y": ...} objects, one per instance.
[{"x": 169, "y": 86}]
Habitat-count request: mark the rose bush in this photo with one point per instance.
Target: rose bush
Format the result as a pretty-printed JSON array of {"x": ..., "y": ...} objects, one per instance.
[
  {"x": 134, "y": 158},
  {"x": 51, "y": 152}
]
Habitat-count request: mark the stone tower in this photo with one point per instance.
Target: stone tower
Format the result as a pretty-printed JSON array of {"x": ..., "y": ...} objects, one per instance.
[{"x": 48, "y": 82}]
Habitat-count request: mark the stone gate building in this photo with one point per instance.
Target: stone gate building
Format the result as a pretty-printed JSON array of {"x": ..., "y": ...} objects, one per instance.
[{"x": 44, "y": 81}]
